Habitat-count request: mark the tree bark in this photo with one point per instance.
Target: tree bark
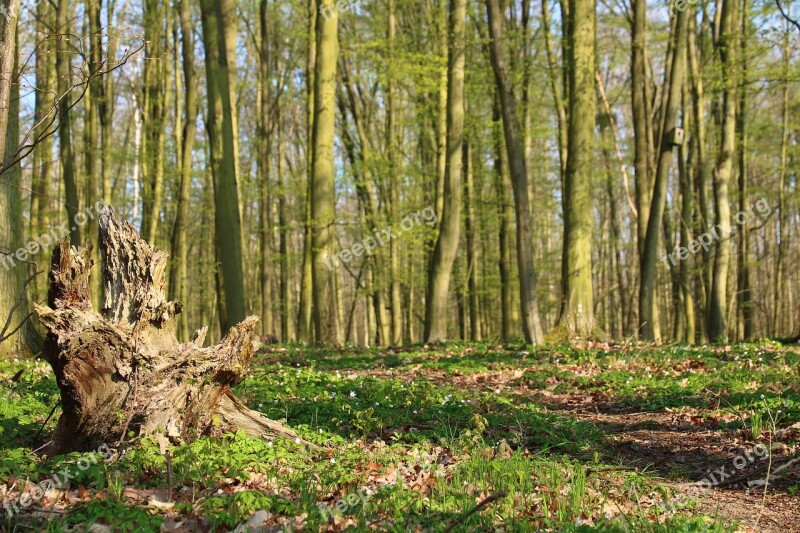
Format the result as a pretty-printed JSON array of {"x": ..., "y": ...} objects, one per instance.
[
  {"x": 122, "y": 369},
  {"x": 727, "y": 45},
  {"x": 155, "y": 112},
  {"x": 323, "y": 192},
  {"x": 43, "y": 151},
  {"x": 304, "y": 329},
  {"x": 505, "y": 213},
  {"x": 15, "y": 328},
  {"x": 64, "y": 120},
  {"x": 744, "y": 297},
  {"x": 219, "y": 122},
  {"x": 649, "y": 258},
  {"x": 577, "y": 303},
  {"x": 394, "y": 179},
  {"x": 531, "y": 324},
  {"x": 180, "y": 248},
  {"x": 264, "y": 165},
  {"x": 444, "y": 253},
  {"x": 475, "y": 332},
  {"x": 782, "y": 219}
]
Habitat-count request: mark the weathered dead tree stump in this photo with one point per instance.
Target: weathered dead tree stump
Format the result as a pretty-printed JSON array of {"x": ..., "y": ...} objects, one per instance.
[{"x": 123, "y": 369}]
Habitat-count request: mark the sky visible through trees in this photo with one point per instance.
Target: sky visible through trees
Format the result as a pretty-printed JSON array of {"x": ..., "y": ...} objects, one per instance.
[{"x": 588, "y": 165}]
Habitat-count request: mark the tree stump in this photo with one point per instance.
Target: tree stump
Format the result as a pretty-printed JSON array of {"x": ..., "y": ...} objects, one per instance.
[{"x": 124, "y": 369}]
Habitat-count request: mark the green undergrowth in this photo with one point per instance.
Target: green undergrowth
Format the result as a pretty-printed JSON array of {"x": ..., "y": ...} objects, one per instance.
[{"x": 411, "y": 438}]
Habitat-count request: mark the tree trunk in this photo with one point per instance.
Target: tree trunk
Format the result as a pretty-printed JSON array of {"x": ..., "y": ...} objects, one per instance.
[
  {"x": 717, "y": 329},
  {"x": 43, "y": 151},
  {"x": 323, "y": 192},
  {"x": 219, "y": 123},
  {"x": 123, "y": 369},
  {"x": 643, "y": 182},
  {"x": 93, "y": 102},
  {"x": 687, "y": 205},
  {"x": 782, "y": 219},
  {"x": 556, "y": 89},
  {"x": 265, "y": 149},
  {"x": 531, "y": 324},
  {"x": 63, "y": 71},
  {"x": 107, "y": 106},
  {"x": 743, "y": 295},
  {"x": 577, "y": 303},
  {"x": 180, "y": 249},
  {"x": 15, "y": 328},
  {"x": 700, "y": 176},
  {"x": 444, "y": 253},
  {"x": 304, "y": 330},
  {"x": 394, "y": 179},
  {"x": 472, "y": 246},
  {"x": 505, "y": 213},
  {"x": 649, "y": 258},
  {"x": 441, "y": 120},
  {"x": 155, "y": 112}
]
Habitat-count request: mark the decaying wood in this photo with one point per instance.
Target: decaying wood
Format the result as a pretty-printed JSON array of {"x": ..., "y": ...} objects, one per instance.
[{"x": 123, "y": 369}]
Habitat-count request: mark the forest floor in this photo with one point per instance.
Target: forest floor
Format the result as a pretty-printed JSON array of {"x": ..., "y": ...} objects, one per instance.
[{"x": 457, "y": 437}]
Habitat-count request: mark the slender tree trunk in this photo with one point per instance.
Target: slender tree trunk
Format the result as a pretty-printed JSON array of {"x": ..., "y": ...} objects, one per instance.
[
  {"x": 63, "y": 69},
  {"x": 265, "y": 150},
  {"x": 643, "y": 182},
  {"x": 444, "y": 253},
  {"x": 223, "y": 165},
  {"x": 93, "y": 105},
  {"x": 615, "y": 249},
  {"x": 395, "y": 170},
  {"x": 531, "y": 323},
  {"x": 556, "y": 89},
  {"x": 323, "y": 192},
  {"x": 700, "y": 178},
  {"x": 287, "y": 331},
  {"x": 14, "y": 322},
  {"x": 305, "y": 331},
  {"x": 687, "y": 207},
  {"x": 107, "y": 105},
  {"x": 782, "y": 220},
  {"x": 8, "y": 72},
  {"x": 441, "y": 124},
  {"x": 650, "y": 252},
  {"x": 43, "y": 152},
  {"x": 155, "y": 110},
  {"x": 743, "y": 294},
  {"x": 506, "y": 215},
  {"x": 180, "y": 249},
  {"x": 472, "y": 247},
  {"x": 727, "y": 45},
  {"x": 577, "y": 304}
]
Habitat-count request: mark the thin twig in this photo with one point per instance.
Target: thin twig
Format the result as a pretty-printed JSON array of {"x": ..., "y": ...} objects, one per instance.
[
  {"x": 486, "y": 501},
  {"x": 53, "y": 410},
  {"x": 786, "y": 15}
]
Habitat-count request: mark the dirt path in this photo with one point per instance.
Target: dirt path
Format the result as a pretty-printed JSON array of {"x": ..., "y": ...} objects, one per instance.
[{"x": 683, "y": 446}]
